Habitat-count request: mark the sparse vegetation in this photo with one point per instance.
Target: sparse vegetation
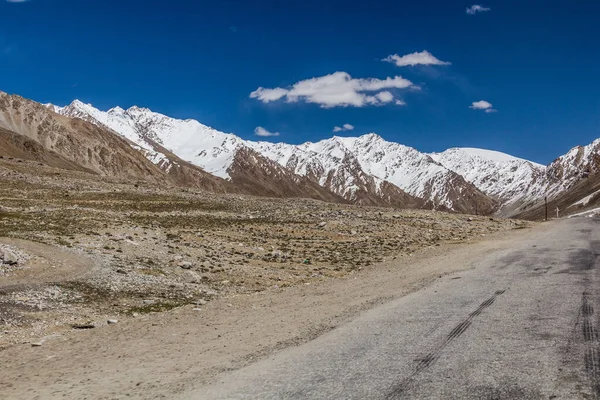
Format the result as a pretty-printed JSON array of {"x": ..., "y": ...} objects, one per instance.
[{"x": 178, "y": 247}]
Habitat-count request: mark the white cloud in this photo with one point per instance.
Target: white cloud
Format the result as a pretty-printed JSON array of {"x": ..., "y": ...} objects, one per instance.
[
  {"x": 335, "y": 90},
  {"x": 260, "y": 131},
  {"x": 384, "y": 97},
  {"x": 16, "y": 1},
  {"x": 483, "y": 105},
  {"x": 400, "y": 103},
  {"x": 417, "y": 58},
  {"x": 345, "y": 127},
  {"x": 267, "y": 95},
  {"x": 476, "y": 8}
]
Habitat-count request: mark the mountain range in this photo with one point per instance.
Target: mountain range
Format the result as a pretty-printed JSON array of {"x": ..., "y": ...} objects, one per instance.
[{"x": 138, "y": 143}]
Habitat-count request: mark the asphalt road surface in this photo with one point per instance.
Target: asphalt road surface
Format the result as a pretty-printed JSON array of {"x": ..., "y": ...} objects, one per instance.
[{"x": 523, "y": 324}]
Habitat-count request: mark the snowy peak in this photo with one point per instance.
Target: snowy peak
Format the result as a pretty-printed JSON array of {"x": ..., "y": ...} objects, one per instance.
[
  {"x": 258, "y": 167},
  {"x": 506, "y": 178},
  {"x": 350, "y": 167},
  {"x": 404, "y": 167},
  {"x": 484, "y": 155},
  {"x": 355, "y": 168},
  {"x": 190, "y": 140}
]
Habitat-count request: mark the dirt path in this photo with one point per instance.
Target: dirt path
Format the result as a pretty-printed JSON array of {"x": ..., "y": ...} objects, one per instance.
[
  {"x": 47, "y": 264},
  {"x": 160, "y": 355}
]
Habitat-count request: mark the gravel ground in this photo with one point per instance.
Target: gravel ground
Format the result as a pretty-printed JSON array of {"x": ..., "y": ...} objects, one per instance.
[{"x": 120, "y": 250}]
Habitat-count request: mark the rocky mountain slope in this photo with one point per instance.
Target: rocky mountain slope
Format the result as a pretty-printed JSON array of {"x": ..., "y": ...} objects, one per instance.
[
  {"x": 582, "y": 196},
  {"x": 30, "y": 130},
  {"x": 572, "y": 184},
  {"x": 222, "y": 154},
  {"x": 362, "y": 170},
  {"x": 575, "y": 166},
  {"x": 75, "y": 140},
  {"x": 512, "y": 181},
  {"x": 371, "y": 157}
]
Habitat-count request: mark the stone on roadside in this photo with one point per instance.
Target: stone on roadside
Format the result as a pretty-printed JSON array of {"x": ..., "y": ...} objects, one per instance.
[{"x": 112, "y": 321}]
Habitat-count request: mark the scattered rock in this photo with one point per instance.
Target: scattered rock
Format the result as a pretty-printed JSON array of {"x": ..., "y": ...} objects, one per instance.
[
  {"x": 8, "y": 257},
  {"x": 185, "y": 265},
  {"x": 36, "y": 344},
  {"x": 322, "y": 224},
  {"x": 112, "y": 321}
]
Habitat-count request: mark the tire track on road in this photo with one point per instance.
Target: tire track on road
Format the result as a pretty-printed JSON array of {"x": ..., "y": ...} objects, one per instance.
[
  {"x": 592, "y": 345},
  {"x": 430, "y": 358}
]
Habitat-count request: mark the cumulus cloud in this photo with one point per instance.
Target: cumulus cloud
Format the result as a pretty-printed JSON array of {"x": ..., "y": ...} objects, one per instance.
[
  {"x": 400, "y": 103},
  {"x": 16, "y": 1},
  {"x": 384, "y": 97},
  {"x": 345, "y": 127},
  {"x": 483, "y": 105},
  {"x": 336, "y": 90},
  {"x": 417, "y": 58},
  {"x": 260, "y": 131},
  {"x": 476, "y": 8}
]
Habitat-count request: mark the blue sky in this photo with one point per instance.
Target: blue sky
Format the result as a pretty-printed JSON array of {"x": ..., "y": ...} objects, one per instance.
[{"x": 320, "y": 64}]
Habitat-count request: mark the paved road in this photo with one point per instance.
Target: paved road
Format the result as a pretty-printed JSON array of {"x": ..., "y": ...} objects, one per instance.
[{"x": 523, "y": 324}]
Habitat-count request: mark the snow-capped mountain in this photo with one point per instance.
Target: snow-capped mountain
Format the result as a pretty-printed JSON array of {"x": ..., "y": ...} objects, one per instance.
[
  {"x": 30, "y": 131},
  {"x": 506, "y": 178},
  {"x": 340, "y": 172},
  {"x": 364, "y": 170},
  {"x": 573, "y": 184},
  {"x": 222, "y": 154},
  {"x": 188, "y": 139},
  {"x": 372, "y": 156},
  {"x": 567, "y": 170}
]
